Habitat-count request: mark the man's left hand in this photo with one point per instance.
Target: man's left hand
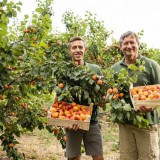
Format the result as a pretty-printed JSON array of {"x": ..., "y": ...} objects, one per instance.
[{"x": 144, "y": 109}]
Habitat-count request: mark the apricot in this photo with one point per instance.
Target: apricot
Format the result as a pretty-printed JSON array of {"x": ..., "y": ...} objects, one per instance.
[
  {"x": 11, "y": 145},
  {"x": 115, "y": 97},
  {"x": 143, "y": 97},
  {"x": 115, "y": 90},
  {"x": 83, "y": 107},
  {"x": 94, "y": 77},
  {"x": 61, "y": 85},
  {"x": 53, "y": 109},
  {"x": 55, "y": 131},
  {"x": 83, "y": 116},
  {"x": 76, "y": 63},
  {"x": 55, "y": 105},
  {"x": 121, "y": 95},
  {"x": 75, "y": 108},
  {"x": 64, "y": 138},
  {"x": 110, "y": 90},
  {"x": 55, "y": 114},
  {"x": 73, "y": 104},
  {"x": 99, "y": 82}
]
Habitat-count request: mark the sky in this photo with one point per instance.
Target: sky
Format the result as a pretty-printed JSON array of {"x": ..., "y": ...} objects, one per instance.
[{"x": 118, "y": 15}]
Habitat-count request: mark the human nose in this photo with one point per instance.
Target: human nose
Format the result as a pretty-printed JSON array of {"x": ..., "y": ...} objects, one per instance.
[
  {"x": 77, "y": 49},
  {"x": 129, "y": 45}
]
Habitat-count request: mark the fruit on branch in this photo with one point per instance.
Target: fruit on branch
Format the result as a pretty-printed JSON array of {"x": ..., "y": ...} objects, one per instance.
[
  {"x": 61, "y": 85},
  {"x": 94, "y": 77},
  {"x": 11, "y": 145},
  {"x": 99, "y": 82}
]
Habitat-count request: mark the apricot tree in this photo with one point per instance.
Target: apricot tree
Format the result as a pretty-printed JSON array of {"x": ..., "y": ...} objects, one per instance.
[{"x": 34, "y": 62}]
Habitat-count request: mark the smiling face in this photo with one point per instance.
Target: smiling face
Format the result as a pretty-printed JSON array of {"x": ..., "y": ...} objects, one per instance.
[
  {"x": 130, "y": 47},
  {"x": 77, "y": 50}
]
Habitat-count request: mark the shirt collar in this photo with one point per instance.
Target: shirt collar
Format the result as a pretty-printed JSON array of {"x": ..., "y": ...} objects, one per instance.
[{"x": 122, "y": 62}]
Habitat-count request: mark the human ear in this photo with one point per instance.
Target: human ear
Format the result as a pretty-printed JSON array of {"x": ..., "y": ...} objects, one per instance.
[{"x": 85, "y": 50}]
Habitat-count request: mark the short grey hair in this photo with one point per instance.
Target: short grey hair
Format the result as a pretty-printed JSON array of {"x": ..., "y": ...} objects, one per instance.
[{"x": 126, "y": 34}]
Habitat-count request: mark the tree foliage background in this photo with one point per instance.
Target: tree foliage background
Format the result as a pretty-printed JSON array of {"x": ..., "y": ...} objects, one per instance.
[{"x": 34, "y": 59}]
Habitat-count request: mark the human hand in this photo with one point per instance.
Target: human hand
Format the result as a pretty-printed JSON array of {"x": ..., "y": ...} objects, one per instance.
[
  {"x": 74, "y": 127},
  {"x": 107, "y": 97},
  {"x": 144, "y": 109},
  {"x": 99, "y": 77}
]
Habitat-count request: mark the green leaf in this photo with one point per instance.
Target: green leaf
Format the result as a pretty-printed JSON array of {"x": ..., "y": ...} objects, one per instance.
[
  {"x": 26, "y": 16},
  {"x": 19, "y": 9},
  {"x": 120, "y": 117},
  {"x": 2, "y": 32},
  {"x": 43, "y": 44},
  {"x": 63, "y": 143},
  {"x": 47, "y": 16},
  {"x": 139, "y": 118},
  {"x": 61, "y": 97},
  {"x": 138, "y": 61},
  {"x": 79, "y": 97},
  {"x": 127, "y": 107},
  {"x": 59, "y": 136},
  {"x": 97, "y": 88},
  {"x": 19, "y": 3},
  {"x": 123, "y": 102},
  {"x": 124, "y": 71},
  {"x": 91, "y": 81},
  {"x": 113, "y": 118},
  {"x": 86, "y": 95},
  {"x": 116, "y": 104},
  {"x": 3, "y": 17},
  {"x": 128, "y": 116},
  {"x": 132, "y": 67},
  {"x": 77, "y": 73},
  {"x": 39, "y": 10}
]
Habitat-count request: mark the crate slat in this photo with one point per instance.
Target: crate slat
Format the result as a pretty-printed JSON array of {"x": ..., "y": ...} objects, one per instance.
[{"x": 84, "y": 125}]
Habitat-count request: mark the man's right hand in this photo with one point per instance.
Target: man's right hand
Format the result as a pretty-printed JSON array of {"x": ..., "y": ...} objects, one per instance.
[{"x": 74, "y": 127}]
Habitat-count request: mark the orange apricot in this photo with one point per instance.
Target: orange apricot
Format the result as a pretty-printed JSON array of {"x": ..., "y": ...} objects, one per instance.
[{"x": 99, "y": 82}]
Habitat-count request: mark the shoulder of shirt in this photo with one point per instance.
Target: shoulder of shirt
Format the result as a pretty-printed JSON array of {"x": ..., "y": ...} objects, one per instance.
[
  {"x": 116, "y": 64},
  {"x": 149, "y": 60},
  {"x": 91, "y": 64}
]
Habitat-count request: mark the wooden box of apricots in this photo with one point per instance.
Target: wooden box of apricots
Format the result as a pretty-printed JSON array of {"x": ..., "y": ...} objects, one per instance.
[
  {"x": 148, "y": 96},
  {"x": 66, "y": 114}
]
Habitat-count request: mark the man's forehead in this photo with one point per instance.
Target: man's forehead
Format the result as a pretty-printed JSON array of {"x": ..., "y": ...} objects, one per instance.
[{"x": 77, "y": 42}]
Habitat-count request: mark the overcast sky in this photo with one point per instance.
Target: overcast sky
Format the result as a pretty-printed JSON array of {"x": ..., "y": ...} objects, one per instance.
[{"x": 118, "y": 15}]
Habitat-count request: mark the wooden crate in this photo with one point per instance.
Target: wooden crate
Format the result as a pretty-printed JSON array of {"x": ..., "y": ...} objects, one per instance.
[
  {"x": 154, "y": 103},
  {"x": 84, "y": 125}
]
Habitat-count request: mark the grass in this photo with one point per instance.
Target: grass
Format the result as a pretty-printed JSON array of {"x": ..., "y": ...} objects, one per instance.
[{"x": 42, "y": 145}]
